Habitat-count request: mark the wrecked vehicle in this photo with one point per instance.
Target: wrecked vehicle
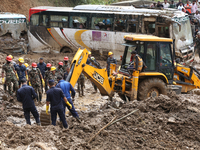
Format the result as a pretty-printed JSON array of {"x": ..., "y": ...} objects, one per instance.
[
  {"x": 101, "y": 28},
  {"x": 13, "y": 33}
]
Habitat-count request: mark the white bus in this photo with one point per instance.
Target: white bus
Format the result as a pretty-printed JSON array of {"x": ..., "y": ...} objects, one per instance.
[{"x": 102, "y": 28}]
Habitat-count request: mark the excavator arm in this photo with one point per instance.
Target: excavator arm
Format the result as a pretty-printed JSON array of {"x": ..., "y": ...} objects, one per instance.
[{"x": 98, "y": 76}]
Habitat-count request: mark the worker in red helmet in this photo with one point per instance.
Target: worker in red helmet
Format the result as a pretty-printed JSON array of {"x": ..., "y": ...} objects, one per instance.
[
  {"x": 59, "y": 70},
  {"x": 66, "y": 64},
  {"x": 11, "y": 75},
  {"x": 47, "y": 76},
  {"x": 35, "y": 78}
]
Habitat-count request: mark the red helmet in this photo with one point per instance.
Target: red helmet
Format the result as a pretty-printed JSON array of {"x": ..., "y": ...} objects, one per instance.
[
  {"x": 60, "y": 63},
  {"x": 48, "y": 65},
  {"x": 66, "y": 58},
  {"x": 9, "y": 58},
  {"x": 34, "y": 65}
]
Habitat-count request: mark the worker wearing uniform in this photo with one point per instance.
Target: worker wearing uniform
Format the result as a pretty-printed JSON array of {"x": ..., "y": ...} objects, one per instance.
[
  {"x": 60, "y": 70},
  {"x": 66, "y": 88},
  {"x": 35, "y": 78},
  {"x": 136, "y": 62},
  {"x": 66, "y": 73},
  {"x": 66, "y": 64},
  {"x": 47, "y": 76},
  {"x": 27, "y": 67},
  {"x": 81, "y": 84},
  {"x": 42, "y": 66},
  {"x": 197, "y": 44},
  {"x": 11, "y": 75},
  {"x": 54, "y": 97},
  {"x": 26, "y": 95},
  {"x": 21, "y": 71},
  {"x": 110, "y": 60},
  {"x": 53, "y": 74}
]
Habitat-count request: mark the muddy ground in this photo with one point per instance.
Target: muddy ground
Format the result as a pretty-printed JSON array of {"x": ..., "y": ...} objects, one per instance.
[{"x": 165, "y": 122}]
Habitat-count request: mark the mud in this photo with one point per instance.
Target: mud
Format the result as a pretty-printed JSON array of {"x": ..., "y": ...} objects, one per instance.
[{"x": 165, "y": 122}]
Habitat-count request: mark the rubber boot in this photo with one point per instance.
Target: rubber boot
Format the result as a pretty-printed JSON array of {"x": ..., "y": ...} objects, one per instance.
[
  {"x": 4, "y": 86},
  {"x": 78, "y": 119},
  {"x": 82, "y": 91},
  {"x": 40, "y": 98}
]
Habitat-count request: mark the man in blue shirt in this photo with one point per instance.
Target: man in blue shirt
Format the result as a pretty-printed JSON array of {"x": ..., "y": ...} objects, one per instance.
[
  {"x": 21, "y": 70},
  {"x": 26, "y": 95},
  {"x": 42, "y": 66},
  {"x": 110, "y": 60},
  {"x": 66, "y": 88},
  {"x": 54, "y": 98}
]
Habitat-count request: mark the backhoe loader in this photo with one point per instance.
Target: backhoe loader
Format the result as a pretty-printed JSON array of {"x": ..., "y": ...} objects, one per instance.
[{"x": 161, "y": 72}]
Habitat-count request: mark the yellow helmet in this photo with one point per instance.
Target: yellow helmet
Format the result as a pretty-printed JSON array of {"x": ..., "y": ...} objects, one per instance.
[
  {"x": 89, "y": 53},
  {"x": 53, "y": 68},
  {"x": 21, "y": 60},
  {"x": 110, "y": 53},
  {"x": 11, "y": 56},
  {"x": 26, "y": 65}
]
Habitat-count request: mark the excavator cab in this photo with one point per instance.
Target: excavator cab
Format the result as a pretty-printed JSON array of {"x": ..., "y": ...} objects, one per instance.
[{"x": 156, "y": 53}]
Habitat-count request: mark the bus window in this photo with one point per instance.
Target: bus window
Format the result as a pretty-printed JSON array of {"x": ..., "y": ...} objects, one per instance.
[
  {"x": 102, "y": 23},
  {"x": 43, "y": 20},
  {"x": 132, "y": 23},
  {"x": 34, "y": 19},
  {"x": 120, "y": 23},
  {"x": 59, "y": 21},
  {"x": 150, "y": 27},
  {"x": 78, "y": 22},
  {"x": 163, "y": 31},
  {"x": 151, "y": 57}
]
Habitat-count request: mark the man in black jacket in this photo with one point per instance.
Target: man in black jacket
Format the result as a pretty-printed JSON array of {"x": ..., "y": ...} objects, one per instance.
[{"x": 26, "y": 95}]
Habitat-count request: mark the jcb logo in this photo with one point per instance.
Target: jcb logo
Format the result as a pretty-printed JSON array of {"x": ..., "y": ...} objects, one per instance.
[{"x": 98, "y": 77}]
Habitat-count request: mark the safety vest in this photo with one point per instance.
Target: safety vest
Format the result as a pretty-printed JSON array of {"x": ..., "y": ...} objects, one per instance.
[{"x": 140, "y": 63}]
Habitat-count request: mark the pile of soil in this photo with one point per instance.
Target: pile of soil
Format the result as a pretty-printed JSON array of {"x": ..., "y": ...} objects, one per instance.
[{"x": 165, "y": 122}]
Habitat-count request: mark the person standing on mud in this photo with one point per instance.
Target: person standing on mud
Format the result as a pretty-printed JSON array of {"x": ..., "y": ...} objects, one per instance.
[
  {"x": 53, "y": 74},
  {"x": 42, "y": 66},
  {"x": 81, "y": 84},
  {"x": 21, "y": 71},
  {"x": 35, "y": 78},
  {"x": 47, "y": 76},
  {"x": 110, "y": 60},
  {"x": 67, "y": 88},
  {"x": 66, "y": 64},
  {"x": 60, "y": 70},
  {"x": 26, "y": 95},
  {"x": 11, "y": 75},
  {"x": 54, "y": 98},
  {"x": 197, "y": 44}
]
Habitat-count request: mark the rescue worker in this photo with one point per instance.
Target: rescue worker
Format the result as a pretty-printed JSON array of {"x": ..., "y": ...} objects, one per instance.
[
  {"x": 89, "y": 62},
  {"x": 66, "y": 73},
  {"x": 81, "y": 84},
  {"x": 67, "y": 88},
  {"x": 136, "y": 62},
  {"x": 110, "y": 60},
  {"x": 27, "y": 67},
  {"x": 47, "y": 76},
  {"x": 21, "y": 70},
  {"x": 197, "y": 44},
  {"x": 42, "y": 66},
  {"x": 53, "y": 74},
  {"x": 11, "y": 75},
  {"x": 26, "y": 95},
  {"x": 35, "y": 78},
  {"x": 60, "y": 70},
  {"x": 66, "y": 59},
  {"x": 54, "y": 97}
]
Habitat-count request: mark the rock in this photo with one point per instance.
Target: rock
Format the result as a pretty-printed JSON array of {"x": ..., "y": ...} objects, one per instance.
[{"x": 171, "y": 120}]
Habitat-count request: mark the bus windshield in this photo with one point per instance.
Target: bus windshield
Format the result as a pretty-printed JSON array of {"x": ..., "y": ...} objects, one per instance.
[{"x": 182, "y": 33}]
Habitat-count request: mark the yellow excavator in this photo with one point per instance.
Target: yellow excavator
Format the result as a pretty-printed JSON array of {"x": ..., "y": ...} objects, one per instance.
[{"x": 162, "y": 72}]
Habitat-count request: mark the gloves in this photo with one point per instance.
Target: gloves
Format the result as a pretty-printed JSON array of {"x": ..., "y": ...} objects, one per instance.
[
  {"x": 30, "y": 83},
  {"x": 27, "y": 77},
  {"x": 43, "y": 83},
  {"x": 3, "y": 80},
  {"x": 47, "y": 109},
  {"x": 17, "y": 77},
  {"x": 69, "y": 105}
]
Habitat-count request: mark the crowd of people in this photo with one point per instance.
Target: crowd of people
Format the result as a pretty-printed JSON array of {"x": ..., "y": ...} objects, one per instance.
[
  {"x": 29, "y": 82},
  {"x": 190, "y": 7}
]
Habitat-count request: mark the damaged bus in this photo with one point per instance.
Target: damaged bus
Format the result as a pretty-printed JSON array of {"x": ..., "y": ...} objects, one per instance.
[
  {"x": 13, "y": 33},
  {"x": 102, "y": 28}
]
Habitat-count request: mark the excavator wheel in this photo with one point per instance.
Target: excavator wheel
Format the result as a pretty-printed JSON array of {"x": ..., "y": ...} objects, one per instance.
[
  {"x": 45, "y": 119},
  {"x": 151, "y": 87}
]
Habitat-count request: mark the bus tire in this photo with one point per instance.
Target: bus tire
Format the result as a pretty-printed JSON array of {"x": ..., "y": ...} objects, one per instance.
[
  {"x": 151, "y": 87},
  {"x": 66, "y": 50}
]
